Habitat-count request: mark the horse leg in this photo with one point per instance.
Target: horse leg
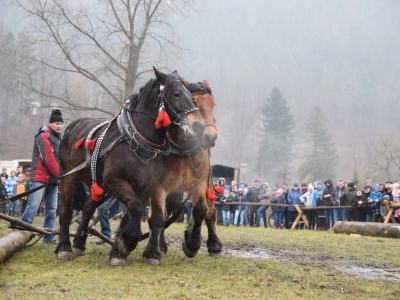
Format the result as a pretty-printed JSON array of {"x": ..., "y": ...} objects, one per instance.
[
  {"x": 214, "y": 244},
  {"x": 82, "y": 231},
  {"x": 67, "y": 188},
  {"x": 163, "y": 244},
  {"x": 128, "y": 235},
  {"x": 152, "y": 253},
  {"x": 192, "y": 241}
]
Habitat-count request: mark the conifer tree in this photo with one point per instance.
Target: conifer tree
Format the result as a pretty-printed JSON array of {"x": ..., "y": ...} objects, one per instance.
[
  {"x": 320, "y": 158},
  {"x": 274, "y": 154}
]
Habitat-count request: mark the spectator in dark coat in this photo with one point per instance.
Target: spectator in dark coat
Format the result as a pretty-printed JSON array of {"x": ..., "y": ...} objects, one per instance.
[
  {"x": 349, "y": 198},
  {"x": 328, "y": 197},
  {"x": 278, "y": 210},
  {"x": 226, "y": 209},
  {"x": 3, "y": 196},
  {"x": 339, "y": 214},
  {"x": 252, "y": 196}
]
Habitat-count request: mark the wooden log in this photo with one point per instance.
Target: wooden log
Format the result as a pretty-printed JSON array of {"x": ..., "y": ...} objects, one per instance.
[
  {"x": 26, "y": 226},
  {"x": 369, "y": 229},
  {"x": 13, "y": 242}
]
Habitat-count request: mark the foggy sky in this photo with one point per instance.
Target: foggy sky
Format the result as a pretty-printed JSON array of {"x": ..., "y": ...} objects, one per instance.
[{"x": 340, "y": 55}]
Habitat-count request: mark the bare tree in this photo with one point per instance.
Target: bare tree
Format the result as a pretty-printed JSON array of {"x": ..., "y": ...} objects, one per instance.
[
  {"x": 385, "y": 161},
  {"x": 111, "y": 43}
]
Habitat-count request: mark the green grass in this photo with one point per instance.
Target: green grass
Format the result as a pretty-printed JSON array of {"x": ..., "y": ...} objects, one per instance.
[{"x": 305, "y": 265}]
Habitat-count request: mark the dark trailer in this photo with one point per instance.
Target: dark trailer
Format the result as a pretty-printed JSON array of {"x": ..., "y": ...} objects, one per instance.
[{"x": 228, "y": 173}]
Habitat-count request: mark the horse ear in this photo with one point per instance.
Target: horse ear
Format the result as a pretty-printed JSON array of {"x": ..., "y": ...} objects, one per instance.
[
  {"x": 162, "y": 78},
  {"x": 205, "y": 82},
  {"x": 185, "y": 81}
]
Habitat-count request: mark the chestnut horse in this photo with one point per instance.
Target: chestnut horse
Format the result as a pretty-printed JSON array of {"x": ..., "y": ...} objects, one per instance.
[
  {"x": 189, "y": 170},
  {"x": 131, "y": 168}
]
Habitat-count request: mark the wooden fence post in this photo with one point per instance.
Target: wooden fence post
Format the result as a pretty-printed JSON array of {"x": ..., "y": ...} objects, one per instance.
[{"x": 299, "y": 210}]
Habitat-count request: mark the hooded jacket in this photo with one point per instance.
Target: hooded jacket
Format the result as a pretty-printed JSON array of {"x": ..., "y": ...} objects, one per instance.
[
  {"x": 224, "y": 186},
  {"x": 328, "y": 190},
  {"x": 293, "y": 198},
  {"x": 306, "y": 198},
  {"x": 266, "y": 194},
  {"x": 349, "y": 197}
]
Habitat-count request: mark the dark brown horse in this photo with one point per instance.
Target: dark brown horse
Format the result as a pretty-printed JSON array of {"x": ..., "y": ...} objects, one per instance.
[{"x": 132, "y": 169}]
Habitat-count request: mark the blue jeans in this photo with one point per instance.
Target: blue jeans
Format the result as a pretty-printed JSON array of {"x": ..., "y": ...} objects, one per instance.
[
  {"x": 278, "y": 218},
  {"x": 104, "y": 223},
  {"x": 369, "y": 217},
  {"x": 189, "y": 207},
  {"x": 328, "y": 218},
  {"x": 262, "y": 210},
  {"x": 240, "y": 214},
  {"x": 340, "y": 214},
  {"x": 225, "y": 217},
  {"x": 50, "y": 205},
  {"x": 16, "y": 206}
]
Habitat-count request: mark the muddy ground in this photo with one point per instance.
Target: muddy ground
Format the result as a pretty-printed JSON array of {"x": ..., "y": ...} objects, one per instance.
[{"x": 369, "y": 271}]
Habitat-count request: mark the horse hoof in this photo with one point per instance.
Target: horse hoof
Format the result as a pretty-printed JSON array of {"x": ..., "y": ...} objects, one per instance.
[
  {"x": 118, "y": 262},
  {"x": 214, "y": 250},
  {"x": 65, "y": 255},
  {"x": 151, "y": 261},
  {"x": 214, "y": 253},
  {"x": 78, "y": 252},
  {"x": 189, "y": 253}
]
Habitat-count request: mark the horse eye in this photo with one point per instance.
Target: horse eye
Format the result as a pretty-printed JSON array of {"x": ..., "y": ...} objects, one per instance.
[{"x": 177, "y": 94}]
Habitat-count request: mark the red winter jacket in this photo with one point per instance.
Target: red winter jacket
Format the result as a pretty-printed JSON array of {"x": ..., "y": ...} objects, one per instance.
[{"x": 45, "y": 162}]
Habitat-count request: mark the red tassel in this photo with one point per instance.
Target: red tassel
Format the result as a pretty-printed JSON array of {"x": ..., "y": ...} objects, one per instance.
[
  {"x": 96, "y": 191},
  {"x": 210, "y": 195},
  {"x": 163, "y": 119},
  {"x": 90, "y": 144},
  {"x": 218, "y": 190},
  {"x": 79, "y": 143}
]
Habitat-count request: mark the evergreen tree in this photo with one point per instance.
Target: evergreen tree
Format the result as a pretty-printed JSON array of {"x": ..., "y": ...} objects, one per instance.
[
  {"x": 321, "y": 158},
  {"x": 276, "y": 132}
]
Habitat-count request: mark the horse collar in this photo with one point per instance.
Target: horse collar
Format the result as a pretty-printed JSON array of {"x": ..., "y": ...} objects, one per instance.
[{"x": 144, "y": 149}]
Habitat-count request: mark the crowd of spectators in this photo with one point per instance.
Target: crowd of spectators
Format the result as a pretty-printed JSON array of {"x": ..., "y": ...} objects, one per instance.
[
  {"x": 363, "y": 204},
  {"x": 14, "y": 183}
]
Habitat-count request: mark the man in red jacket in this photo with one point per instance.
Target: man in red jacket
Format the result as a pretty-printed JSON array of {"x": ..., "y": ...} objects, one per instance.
[{"x": 45, "y": 168}]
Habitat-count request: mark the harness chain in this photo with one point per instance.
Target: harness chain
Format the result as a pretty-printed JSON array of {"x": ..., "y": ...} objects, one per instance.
[{"x": 93, "y": 159}]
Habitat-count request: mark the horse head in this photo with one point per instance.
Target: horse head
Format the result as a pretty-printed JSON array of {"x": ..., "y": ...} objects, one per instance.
[
  {"x": 204, "y": 100},
  {"x": 178, "y": 104}
]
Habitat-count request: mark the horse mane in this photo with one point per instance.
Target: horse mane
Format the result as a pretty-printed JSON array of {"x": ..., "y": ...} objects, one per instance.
[
  {"x": 199, "y": 87},
  {"x": 146, "y": 92},
  {"x": 151, "y": 91}
]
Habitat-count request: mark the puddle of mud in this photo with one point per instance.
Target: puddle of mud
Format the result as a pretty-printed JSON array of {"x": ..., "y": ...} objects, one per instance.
[
  {"x": 374, "y": 273},
  {"x": 368, "y": 272},
  {"x": 249, "y": 254}
]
